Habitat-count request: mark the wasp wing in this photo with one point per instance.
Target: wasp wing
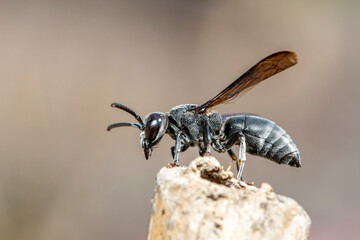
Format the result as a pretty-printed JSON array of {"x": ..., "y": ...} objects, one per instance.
[{"x": 264, "y": 69}]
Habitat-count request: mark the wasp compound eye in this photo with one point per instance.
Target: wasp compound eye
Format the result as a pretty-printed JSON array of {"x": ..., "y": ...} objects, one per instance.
[
  {"x": 152, "y": 126},
  {"x": 155, "y": 127}
]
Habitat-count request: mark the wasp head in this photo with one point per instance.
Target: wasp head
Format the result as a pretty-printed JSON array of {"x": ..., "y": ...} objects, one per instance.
[
  {"x": 155, "y": 126},
  {"x": 152, "y": 129}
]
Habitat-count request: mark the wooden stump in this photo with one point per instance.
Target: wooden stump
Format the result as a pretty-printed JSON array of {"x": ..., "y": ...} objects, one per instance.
[{"x": 203, "y": 201}]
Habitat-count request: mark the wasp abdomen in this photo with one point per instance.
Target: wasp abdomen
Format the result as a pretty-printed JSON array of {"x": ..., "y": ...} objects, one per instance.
[{"x": 263, "y": 138}]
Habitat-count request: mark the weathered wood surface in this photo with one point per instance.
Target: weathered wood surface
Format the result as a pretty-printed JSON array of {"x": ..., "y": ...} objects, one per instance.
[{"x": 187, "y": 206}]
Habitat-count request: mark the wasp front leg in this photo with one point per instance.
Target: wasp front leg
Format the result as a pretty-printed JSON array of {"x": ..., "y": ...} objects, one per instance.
[{"x": 181, "y": 144}]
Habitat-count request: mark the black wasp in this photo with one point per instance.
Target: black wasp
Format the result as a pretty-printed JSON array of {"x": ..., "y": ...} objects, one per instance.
[{"x": 197, "y": 125}]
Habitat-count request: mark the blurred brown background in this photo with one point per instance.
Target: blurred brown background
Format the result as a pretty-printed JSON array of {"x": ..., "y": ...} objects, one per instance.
[{"x": 62, "y": 63}]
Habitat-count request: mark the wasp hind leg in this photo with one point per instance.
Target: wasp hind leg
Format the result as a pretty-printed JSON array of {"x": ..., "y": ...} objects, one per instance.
[
  {"x": 234, "y": 158},
  {"x": 242, "y": 156},
  {"x": 240, "y": 161}
]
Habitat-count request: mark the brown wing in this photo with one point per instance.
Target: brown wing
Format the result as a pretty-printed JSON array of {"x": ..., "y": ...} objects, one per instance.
[{"x": 264, "y": 69}]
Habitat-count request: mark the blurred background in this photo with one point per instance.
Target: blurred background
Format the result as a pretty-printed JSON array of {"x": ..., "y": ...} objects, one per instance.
[{"x": 62, "y": 63}]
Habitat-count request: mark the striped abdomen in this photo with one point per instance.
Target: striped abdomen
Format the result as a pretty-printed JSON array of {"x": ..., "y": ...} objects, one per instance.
[{"x": 263, "y": 138}]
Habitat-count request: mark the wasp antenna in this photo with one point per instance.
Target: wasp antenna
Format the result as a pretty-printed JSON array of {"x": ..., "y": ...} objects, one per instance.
[
  {"x": 123, "y": 124},
  {"x": 128, "y": 110}
]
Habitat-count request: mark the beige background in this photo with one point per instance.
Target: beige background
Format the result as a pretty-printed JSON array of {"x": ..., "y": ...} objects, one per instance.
[{"x": 62, "y": 63}]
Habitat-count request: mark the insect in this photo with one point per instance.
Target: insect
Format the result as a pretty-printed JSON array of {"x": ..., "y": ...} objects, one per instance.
[{"x": 193, "y": 125}]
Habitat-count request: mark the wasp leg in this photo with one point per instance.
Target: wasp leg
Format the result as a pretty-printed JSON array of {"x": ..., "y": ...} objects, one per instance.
[
  {"x": 207, "y": 138},
  {"x": 204, "y": 146},
  {"x": 177, "y": 148},
  {"x": 234, "y": 158},
  {"x": 240, "y": 161},
  {"x": 242, "y": 156},
  {"x": 182, "y": 149}
]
